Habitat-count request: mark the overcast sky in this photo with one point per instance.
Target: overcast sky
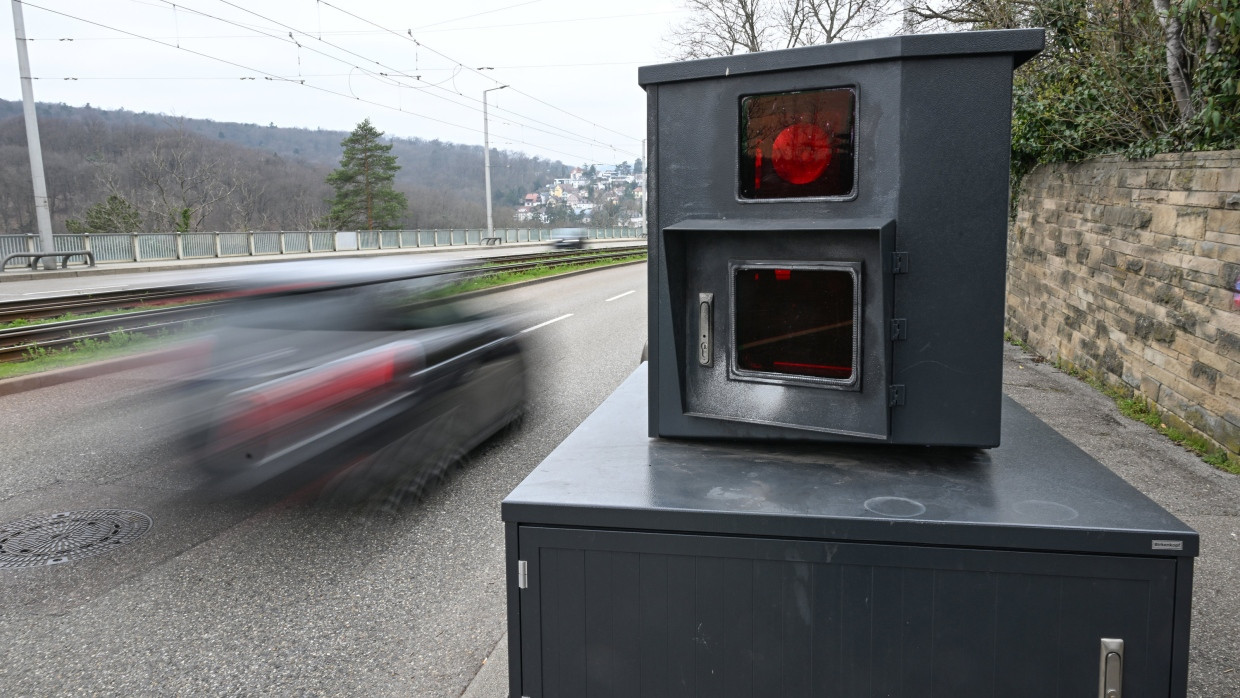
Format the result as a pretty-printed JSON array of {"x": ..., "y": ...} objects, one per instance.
[{"x": 416, "y": 68}]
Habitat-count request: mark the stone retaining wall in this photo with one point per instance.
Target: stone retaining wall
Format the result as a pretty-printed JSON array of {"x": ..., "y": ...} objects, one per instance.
[{"x": 1130, "y": 270}]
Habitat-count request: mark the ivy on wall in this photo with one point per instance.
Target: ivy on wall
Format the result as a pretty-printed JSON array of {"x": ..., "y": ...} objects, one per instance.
[{"x": 1137, "y": 77}]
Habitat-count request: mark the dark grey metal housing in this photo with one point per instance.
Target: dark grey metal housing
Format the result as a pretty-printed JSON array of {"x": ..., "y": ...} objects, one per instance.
[
  {"x": 925, "y": 222},
  {"x": 642, "y": 567}
]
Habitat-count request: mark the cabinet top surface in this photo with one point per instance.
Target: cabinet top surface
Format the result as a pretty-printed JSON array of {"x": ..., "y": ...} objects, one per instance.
[{"x": 1037, "y": 491}]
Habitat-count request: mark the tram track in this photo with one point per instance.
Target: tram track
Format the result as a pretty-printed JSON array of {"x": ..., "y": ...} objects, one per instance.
[{"x": 197, "y": 302}]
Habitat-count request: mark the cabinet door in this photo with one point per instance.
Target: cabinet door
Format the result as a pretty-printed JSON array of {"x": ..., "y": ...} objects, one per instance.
[{"x": 617, "y": 613}]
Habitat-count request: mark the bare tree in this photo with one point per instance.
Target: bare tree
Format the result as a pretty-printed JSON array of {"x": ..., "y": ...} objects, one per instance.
[
  {"x": 974, "y": 14},
  {"x": 183, "y": 181},
  {"x": 727, "y": 27}
]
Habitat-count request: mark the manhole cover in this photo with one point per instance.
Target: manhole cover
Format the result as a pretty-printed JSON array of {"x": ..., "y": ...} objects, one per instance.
[{"x": 69, "y": 535}]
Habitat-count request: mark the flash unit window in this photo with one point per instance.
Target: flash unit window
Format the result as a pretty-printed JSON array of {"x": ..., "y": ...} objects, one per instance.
[
  {"x": 796, "y": 145},
  {"x": 797, "y": 323}
]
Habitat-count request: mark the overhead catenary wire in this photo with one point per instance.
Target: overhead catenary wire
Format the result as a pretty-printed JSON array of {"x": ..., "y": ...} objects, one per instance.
[
  {"x": 473, "y": 70},
  {"x": 269, "y": 76},
  {"x": 560, "y": 132}
]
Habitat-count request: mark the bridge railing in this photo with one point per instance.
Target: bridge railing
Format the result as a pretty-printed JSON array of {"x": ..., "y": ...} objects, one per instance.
[{"x": 151, "y": 247}]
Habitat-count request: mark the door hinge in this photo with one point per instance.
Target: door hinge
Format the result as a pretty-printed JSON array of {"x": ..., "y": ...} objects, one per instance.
[
  {"x": 523, "y": 574},
  {"x": 899, "y": 329},
  {"x": 899, "y": 262},
  {"x": 895, "y": 395}
]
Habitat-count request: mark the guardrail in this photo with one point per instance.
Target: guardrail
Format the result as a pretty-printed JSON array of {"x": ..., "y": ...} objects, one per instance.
[{"x": 151, "y": 247}]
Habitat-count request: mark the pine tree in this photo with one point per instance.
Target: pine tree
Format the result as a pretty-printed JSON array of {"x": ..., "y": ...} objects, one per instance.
[{"x": 365, "y": 198}]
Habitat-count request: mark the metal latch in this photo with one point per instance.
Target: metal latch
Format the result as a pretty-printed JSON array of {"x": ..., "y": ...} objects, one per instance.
[
  {"x": 1111, "y": 669},
  {"x": 523, "y": 574},
  {"x": 899, "y": 262},
  {"x": 706, "y": 350}
]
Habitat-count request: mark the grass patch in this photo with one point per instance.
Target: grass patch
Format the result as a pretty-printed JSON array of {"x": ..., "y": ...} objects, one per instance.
[
  {"x": 85, "y": 351},
  {"x": 509, "y": 277},
  {"x": 1136, "y": 407}
]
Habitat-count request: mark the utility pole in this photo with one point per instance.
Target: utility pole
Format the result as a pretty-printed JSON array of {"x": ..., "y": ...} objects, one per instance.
[
  {"x": 42, "y": 213},
  {"x": 486, "y": 156}
]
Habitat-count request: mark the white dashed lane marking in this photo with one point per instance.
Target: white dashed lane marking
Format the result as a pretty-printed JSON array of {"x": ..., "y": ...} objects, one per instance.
[{"x": 544, "y": 324}]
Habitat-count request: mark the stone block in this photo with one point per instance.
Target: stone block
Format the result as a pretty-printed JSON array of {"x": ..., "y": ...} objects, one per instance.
[
  {"x": 1163, "y": 219},
  {"x": 1168, "y": 295},
  {"x": 1204, "y": 376},
  {"x": 1162, "y": 271},
  {"x": 1191, "y": 223},
  {"x": 1206, "y": 199},
  {"x": 1223, "y": 221},
  {"x": 1229, "y": 179}
]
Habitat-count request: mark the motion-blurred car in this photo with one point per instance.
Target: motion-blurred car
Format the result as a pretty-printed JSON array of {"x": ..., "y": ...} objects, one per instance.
[
  {"x": 574, "y": 238},
  {"x": 363, "y": 373}
]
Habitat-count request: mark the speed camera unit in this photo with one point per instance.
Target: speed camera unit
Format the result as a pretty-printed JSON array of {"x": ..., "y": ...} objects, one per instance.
[{"x": 828, "y": 236}]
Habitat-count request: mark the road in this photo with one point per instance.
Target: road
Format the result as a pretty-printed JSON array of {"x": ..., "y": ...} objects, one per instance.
[{"x": 251, "y": 597}]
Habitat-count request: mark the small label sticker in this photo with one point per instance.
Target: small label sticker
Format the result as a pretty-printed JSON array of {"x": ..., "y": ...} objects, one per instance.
[{"x": 1167, "y": 545}]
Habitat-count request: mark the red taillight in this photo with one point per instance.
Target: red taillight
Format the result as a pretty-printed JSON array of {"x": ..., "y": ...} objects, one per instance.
[
  {"x": 783, "y": 274},
  {"x": 301, "y": 396}
]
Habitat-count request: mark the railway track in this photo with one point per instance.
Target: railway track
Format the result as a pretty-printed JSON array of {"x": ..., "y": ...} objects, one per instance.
[{"x": 147, "y": 311}]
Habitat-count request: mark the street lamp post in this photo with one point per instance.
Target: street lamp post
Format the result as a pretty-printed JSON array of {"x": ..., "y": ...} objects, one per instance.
[{"x": 486, "y": 156}]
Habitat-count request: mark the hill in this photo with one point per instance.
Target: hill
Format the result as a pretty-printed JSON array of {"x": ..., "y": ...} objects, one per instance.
[{"x": 236, "y": 176}]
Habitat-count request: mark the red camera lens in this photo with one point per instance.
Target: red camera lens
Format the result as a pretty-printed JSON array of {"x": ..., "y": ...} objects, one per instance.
[{"x": 797, "y": 144}]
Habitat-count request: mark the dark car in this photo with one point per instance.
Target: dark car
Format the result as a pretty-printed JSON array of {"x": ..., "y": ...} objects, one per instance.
[
  {"x": 359, "y": 373},
  {"x": 574, "y": 238}
]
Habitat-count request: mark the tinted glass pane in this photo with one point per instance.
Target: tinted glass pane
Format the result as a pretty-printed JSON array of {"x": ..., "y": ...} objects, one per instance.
[
  {"x": 795, "y": 321},
  {"x": 797, "y": 144}
]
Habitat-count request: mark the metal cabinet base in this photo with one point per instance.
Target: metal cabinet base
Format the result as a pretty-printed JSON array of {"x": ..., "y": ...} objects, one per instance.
[{"x": 668, "y": 568}]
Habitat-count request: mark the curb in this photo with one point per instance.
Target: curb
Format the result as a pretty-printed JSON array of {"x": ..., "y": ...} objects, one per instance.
[{"x": 59, "y": 376}]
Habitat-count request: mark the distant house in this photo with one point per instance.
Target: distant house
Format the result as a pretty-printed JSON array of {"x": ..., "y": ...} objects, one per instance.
[
  {"x": 523, "y": 214},
  {"x": 533, "y": 199}
]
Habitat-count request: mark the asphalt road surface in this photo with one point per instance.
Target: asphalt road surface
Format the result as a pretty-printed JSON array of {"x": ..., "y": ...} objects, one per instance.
[{"x": 255, "y": 597}]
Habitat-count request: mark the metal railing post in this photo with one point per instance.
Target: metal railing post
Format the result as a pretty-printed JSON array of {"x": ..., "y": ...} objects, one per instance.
[
  {"x": 216, "y": 239},
  {"x": 249, "y": 239},
  {"x": 137, "y": 255},
  {"x": 180, "y": 246}
]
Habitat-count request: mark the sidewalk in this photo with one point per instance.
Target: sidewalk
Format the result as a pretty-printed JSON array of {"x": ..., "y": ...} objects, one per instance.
[
  {"x": 1201, "y": 496},
  {"x": 1205, "y": 498}
]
